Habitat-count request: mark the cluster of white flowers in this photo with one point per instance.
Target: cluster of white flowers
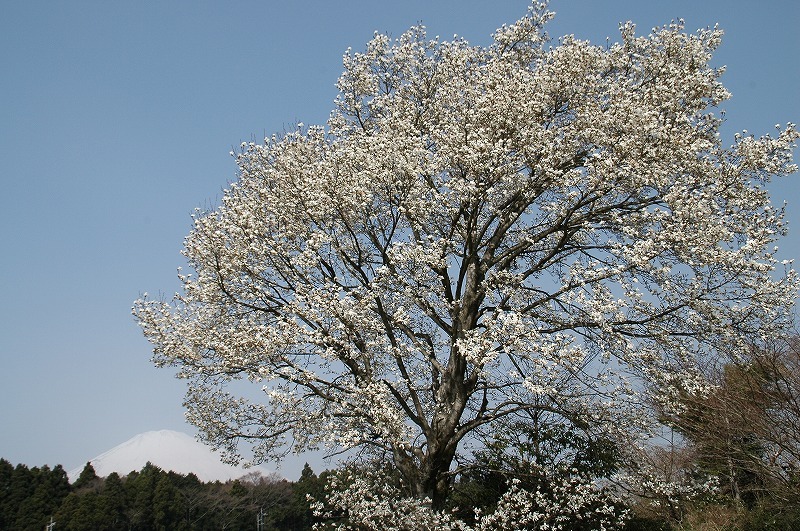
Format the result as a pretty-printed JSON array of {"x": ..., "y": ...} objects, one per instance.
[
  {"x": 477, "y": 231},
  {"x": 571, "y": 500},
  {"x": 371, "y": 499}
]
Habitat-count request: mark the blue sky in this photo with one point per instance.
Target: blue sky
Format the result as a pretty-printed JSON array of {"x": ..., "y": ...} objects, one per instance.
[{"x": 117, "y": 119}]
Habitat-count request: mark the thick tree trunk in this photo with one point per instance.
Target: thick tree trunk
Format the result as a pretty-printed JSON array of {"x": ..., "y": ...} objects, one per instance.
[
  {"x": 429, "y": 477},
  {"x": 427, "y": 469}
]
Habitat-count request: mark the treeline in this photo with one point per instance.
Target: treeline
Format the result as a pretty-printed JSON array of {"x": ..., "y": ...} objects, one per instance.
[{"x": 152, "y": 499}]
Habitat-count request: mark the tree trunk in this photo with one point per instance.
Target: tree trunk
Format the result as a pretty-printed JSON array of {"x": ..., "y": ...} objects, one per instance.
[
  {"x": 429, "y": 477},
  {"x": 427, "y": 470}
]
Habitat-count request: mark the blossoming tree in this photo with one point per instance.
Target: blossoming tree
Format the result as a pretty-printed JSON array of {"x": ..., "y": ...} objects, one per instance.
[{"x": 478, "y": 234}]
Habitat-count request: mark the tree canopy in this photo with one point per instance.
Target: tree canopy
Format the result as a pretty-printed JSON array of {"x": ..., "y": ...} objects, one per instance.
[{"x": 480, "y": 235}]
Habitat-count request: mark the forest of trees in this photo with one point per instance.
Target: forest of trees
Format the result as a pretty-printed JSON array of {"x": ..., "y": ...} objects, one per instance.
[{"x": 151, "y": 499}]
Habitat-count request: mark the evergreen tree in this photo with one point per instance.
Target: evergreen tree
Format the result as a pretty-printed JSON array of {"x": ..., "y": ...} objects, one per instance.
[
  {"x": 29, "y": 497},
  {"x": 151, "y": 499},
  {"x": 81, "y": 511},
  {"x": 113, "y": 502},
  {"x": 141, "y": 488},
  {"x": 6, "y": 479},
  {"x": 52, "y": 486},
  {"x": 21, "y": 488},
  {"x": 59, "y": 483},
  {"x": 167, "y": 513},
  {"x": 87, "y": 477},
  {"x": 192, "y": 498},
  {"x": 310, "y": 485}
]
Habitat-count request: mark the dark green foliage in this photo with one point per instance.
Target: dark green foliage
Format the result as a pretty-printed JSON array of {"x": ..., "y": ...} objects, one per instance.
[
  {"x": 168, "y": 512},
  {"x": 19, "y": 489},
  {"x": 141, "y": 491},
  {"x": 6, "y": 475},
  {"x": 309, "y": 484},
  {"x": 113, "y": 501},
  {"x": 151, "y": 499},
  {"x": 29, "y": 497},
  {"x": 87, "y": 477},
  {"x": 770, "y": 516},
  {"x": 82, "y": 511}
]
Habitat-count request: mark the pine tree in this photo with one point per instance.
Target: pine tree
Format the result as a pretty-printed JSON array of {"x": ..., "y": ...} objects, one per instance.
[
  {"x": 87, "y": 477},
  {"x": 309, "y": 485},
  {"x": 166, "y": 507},
  {"x": 6, "y": 477},
  {"x": 141, "y": 488},
  {"x": 113, "y": 502}
]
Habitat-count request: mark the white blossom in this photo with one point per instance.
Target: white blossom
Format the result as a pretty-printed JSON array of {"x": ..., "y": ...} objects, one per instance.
[{"x": 473, "y": 232}]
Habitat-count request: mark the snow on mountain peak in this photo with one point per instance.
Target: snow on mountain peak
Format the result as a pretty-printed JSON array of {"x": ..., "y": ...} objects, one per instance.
[{"x": 168, "y": 450}]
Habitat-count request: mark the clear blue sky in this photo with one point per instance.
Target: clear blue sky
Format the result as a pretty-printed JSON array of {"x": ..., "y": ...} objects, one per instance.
[{"x": 116, "y": 120}]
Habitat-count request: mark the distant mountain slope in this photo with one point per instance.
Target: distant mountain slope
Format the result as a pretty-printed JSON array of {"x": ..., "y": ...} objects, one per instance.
[{"x": 169, "y": 450}]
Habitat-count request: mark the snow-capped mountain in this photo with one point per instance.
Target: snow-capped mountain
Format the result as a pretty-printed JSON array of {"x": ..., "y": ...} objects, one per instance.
[{"x": 169, "y": 450}]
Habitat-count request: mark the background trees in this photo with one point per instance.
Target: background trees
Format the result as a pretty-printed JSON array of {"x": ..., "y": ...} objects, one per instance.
[
  {"x": 29, "y": 496},
  {"x": 745, "y": 434},
  {"x": 513, "y": 462},
  {"x": 151, "y": 499},
  {"x": 481, "y": 235}
]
